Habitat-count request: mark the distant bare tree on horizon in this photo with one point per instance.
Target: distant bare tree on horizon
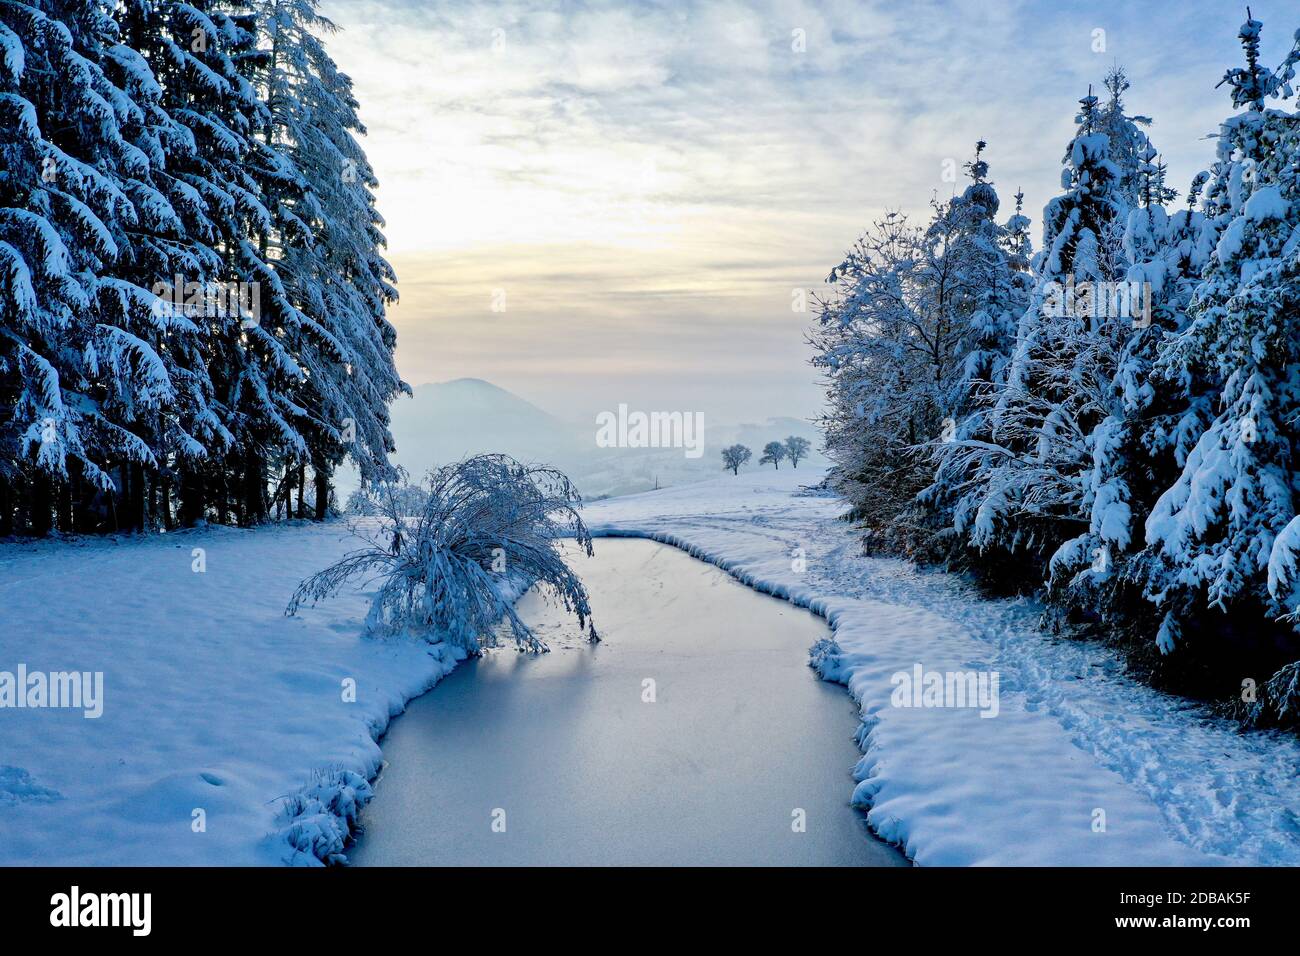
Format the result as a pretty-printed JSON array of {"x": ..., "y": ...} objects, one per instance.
[
  {"x": 735, "y": 456},
  {"x": 796, "y": 448},
  {"x": 773, "y": 452}
]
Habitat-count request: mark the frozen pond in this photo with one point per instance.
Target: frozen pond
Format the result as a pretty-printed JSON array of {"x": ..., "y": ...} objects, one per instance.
[{"x": 561, "y": 758}]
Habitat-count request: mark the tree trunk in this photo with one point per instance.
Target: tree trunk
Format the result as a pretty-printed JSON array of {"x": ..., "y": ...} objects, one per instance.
[
  {"x": 152, "y": 501},
  {"x": 82, "y": 521},
  {"x": 192, "y": 501},
  {"x": 254, "y": 496},
  {"x": 222, "y": 484},
  {"x": 322, "y": 475},
  {"x": 302, "y": 480},
  {"x": 42, "y": 510},
  {"x": 138, "y": 514},
  {"x": 6, "y": 510},
  {"x": 165, "y": 495},
  {"x": 65, "y": 522},
  {"x": 121, "y": 516}
]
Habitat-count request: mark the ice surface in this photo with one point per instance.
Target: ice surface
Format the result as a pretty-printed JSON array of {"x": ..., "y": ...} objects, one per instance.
[{"x": 743, "y": 756}]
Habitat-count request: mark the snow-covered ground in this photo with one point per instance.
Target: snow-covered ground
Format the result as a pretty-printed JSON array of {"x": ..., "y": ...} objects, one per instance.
[
  {"x": 213, "y": 700},
  {"x": 1073, "y": 738}
]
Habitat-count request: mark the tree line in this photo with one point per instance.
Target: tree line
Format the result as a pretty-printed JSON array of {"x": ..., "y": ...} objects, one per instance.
[
  {"x": 794, "y": 449},
  {"x": 1113, "y": 418},
  {"x": 192, "y": 290}
]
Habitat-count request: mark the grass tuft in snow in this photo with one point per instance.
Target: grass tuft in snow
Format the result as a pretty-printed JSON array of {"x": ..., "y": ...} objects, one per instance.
[{"x": 319, "y": 819}]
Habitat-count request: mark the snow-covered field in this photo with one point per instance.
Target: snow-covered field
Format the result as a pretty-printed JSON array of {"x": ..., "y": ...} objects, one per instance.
[
  {"x": 1073, "y": 736},
  {"x": 213, "y": 701}
]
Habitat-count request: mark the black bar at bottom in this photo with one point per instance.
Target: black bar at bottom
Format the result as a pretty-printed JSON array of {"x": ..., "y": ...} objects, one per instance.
[{"x": 738, "y": 904}]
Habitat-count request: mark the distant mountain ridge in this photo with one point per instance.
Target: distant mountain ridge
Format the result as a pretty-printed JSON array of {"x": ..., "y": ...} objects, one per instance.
[{"x": 446, "y": 421}]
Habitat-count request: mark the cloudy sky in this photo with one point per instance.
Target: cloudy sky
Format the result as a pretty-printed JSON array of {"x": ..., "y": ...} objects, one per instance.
[{"x": 594, "y": 203}]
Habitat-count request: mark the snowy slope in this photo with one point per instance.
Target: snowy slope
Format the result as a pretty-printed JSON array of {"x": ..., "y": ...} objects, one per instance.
[
  {"x": 1073, "y": 735},
  {"x": 213, "y": 700}
]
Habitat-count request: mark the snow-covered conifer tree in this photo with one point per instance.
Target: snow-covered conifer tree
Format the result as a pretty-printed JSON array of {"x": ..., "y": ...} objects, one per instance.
[
  {"x": 156, "y": 148},
  {"x": 200, "y": 54},
  {"x": 918, "y": 332},
  {"x": 990, "y": 261},
  {"x": 1224, "y": 535},
  {"x": 92, "y": 385},
  {"x": 1136, "y": 449},
  {"x": 336, "y": 280},
  {"x": 1126, "y": 137},
  {"x": 1027, "y": 481}
]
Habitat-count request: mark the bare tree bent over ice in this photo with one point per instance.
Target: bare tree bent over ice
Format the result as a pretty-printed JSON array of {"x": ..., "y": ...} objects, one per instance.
[{"x": 490, "y": 522}]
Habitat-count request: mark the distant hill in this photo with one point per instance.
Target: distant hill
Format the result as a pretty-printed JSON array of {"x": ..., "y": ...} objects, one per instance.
[{"x": 447, "y": 421}]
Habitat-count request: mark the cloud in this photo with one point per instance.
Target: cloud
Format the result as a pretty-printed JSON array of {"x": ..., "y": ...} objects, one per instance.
[{"x": 671, "y": 170}]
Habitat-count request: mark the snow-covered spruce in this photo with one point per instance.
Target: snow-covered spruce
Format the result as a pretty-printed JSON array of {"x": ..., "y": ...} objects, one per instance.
[
  {"x": 1219, "y": 536},
  {"x": 1026, "y": 486},
  {"x": 173, "y": 152}
]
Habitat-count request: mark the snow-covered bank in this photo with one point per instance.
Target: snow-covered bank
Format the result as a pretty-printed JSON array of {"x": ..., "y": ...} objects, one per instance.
[
  {"x": 229, "y": 732},
  {"x": 1075, "y": 744}
]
